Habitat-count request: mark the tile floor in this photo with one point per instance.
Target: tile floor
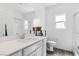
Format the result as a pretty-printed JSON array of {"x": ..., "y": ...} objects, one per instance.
[{"x": 58, "y": 52}]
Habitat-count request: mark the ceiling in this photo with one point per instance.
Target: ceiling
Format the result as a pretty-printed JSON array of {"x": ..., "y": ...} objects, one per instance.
[
  {"x": 25, "y": 7},
  {"x": 28, "y": 7}
]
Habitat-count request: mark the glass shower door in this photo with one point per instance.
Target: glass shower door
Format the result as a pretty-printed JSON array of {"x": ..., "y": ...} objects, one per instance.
[{"x": 76, "y": 33}]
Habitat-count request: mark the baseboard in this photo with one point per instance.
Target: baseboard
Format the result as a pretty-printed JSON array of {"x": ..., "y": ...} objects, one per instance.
[{"x": 63, "y": 50}]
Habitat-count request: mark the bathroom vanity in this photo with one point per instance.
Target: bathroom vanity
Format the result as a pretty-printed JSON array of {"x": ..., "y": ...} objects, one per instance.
[{"x": 31, "y": 46}]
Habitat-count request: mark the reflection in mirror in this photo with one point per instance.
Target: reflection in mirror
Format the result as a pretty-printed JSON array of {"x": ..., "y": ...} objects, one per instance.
[{"x": 25, "y": 25}]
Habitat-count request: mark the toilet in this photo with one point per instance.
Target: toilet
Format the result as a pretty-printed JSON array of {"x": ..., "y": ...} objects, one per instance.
[{"x": 50, "y": 45}]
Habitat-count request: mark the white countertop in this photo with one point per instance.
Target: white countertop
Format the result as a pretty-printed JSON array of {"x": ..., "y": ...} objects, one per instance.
[{"x": 9, "y": 47}]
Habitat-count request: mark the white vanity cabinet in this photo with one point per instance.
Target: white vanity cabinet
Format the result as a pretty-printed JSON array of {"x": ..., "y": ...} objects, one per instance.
[{"x": 32, "y": 47}]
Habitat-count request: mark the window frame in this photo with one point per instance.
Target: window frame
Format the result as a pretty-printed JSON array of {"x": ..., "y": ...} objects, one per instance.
[{"x": 60, "y": 20}]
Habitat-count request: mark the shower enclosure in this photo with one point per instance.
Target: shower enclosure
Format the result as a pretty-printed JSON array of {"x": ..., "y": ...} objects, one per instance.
[{"x": 76, "y": 33}]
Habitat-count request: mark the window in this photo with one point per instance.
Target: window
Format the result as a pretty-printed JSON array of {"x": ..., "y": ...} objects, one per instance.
[
  {"x": 36, "y": 22},
  {"x": 60, "y": 21},
  {"x": 26, "y": 25}
]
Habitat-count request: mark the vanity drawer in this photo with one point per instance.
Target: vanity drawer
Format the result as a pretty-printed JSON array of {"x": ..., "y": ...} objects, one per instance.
[{"x": 30, "y": 49}]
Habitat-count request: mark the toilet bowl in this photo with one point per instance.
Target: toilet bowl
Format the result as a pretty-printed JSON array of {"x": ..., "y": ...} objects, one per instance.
[{"x": 51, "y": 44}]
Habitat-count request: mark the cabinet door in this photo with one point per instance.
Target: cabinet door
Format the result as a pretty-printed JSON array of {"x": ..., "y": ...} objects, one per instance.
[
  {"x": 34, "y": 53},
  {"x": 39, "y": 52},
  {"x": 18, "y": 53}
]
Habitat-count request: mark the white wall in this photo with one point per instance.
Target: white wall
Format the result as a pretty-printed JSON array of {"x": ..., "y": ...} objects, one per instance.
[{"x": 64, "y": 37}]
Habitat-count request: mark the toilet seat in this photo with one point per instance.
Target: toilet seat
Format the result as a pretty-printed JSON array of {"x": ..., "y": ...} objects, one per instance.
[{"x": 53, "y": 42}]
